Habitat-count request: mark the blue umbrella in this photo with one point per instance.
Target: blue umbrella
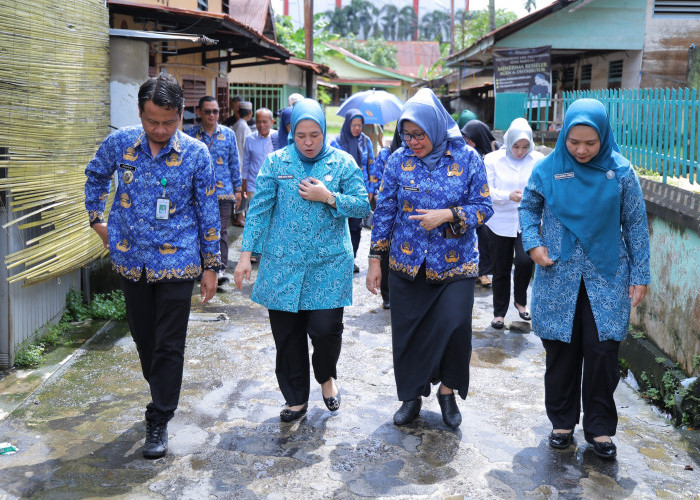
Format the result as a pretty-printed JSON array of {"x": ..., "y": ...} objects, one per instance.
[{"x": 377, "y": 106}]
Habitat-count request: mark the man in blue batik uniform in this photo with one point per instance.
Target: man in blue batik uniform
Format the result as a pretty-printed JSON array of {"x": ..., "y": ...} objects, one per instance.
[
  {"x": 221, "y": 142},
  {"x": 162, "y": 234}
]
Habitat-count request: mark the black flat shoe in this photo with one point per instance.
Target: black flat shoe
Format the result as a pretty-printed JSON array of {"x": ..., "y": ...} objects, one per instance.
[
  {"x": 386, "y": 304},
  {"x": 561, "y": 440},
  {"x": 288, "y": 415},
  {"x": 497, "y": 324},
  {"x": 603, "y": 450},
  {"x": 526, "y": 316},
  {"x": 333, "y": 402},
  {"x": 408, "y": 412},
  {"x": 450, "y": 412},
  {"x": 355, "y": 269}
]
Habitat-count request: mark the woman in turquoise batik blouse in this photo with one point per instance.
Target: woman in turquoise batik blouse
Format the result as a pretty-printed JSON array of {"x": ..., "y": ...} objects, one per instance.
[
  {"x": 297, "y": 221},
  {"x": 433, "y": 196},
  {"x": 584, "y": 224}
]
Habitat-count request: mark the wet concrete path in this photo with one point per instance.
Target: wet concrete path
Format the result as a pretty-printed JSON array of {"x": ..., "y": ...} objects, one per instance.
[{"x": 80, "y": 435}]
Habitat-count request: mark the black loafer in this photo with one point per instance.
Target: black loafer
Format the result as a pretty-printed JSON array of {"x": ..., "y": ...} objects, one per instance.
[
  {"x": 603, "y": 450},
  {"x": 450, "y": 412},
  {"x": 561, "y": 440},
  {"x": 386, "y": 304},
  {"x": 288, "y": 415},
  {"x": 526, "y": 316},
  {"x": 408, "y": 412},
  {"x": 355, "y": 269},
  {"x": 497, "y": 324},
  {"x": 333, "y": 402}
]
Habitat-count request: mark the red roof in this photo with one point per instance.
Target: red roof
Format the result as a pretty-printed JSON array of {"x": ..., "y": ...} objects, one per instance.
[{"x": 416, "y": 58}]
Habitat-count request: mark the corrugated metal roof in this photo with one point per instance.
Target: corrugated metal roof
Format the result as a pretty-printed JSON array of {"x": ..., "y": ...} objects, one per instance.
[
  {"x": 256, "y": 14},
  {"x": 416, "y": 58}
]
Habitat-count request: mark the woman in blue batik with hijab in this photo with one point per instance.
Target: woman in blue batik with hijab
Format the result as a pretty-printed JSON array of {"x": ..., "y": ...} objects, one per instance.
[
  {"x": 592, "y": 257},
  {"x": 297, "y": 221},
  {"x": 282, "y": 135},
  {"x": 433, "y": 196},
  {"x": 353, "y": 141}
]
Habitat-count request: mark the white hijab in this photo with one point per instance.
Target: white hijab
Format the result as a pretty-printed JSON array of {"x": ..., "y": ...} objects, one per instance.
[{"x": 519, "y": 129}]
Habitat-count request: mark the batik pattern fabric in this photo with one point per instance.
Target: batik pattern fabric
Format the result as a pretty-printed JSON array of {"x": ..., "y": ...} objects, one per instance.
[
  {"x": 369, "y": 170},
  {"x": 176, "y": 248},
  {"x": 225, "y": 159},
  {"x": 380, "y": 164},
  {"x": 457, "y": 182},
  {"x": 555, "y": 288},
  {"x": 307, "y": 258}
]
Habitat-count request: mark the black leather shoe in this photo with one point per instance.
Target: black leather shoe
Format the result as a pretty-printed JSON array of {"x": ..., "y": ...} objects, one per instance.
[
  {"x": 561, "y": 440},
  {"x": 355, "y": 269},
  {"x": 386, "y": 304},
  {"x": 288, "y": 415},
  {"x": 603, "y": 450},
  {"x": 450, "y": 412},
  {"x": 497, "y": 324},
  {"x": 333, "y": 402},
  {"x": 156, "y": 445},
  {"x": 408, "y": 412}
]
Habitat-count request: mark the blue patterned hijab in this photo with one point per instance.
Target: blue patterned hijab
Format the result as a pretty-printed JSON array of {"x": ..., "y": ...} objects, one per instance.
[
  {"x": 425, "y": 110},
  {"x": 348, "y": 142},
  {"x": 308, "y": 109},
  {"x": 584, "y": 196},
  {"x": 282, "y": 135}
]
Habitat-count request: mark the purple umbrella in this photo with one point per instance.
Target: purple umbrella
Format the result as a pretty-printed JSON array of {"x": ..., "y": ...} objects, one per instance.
[{"x": 377, "y": 106}]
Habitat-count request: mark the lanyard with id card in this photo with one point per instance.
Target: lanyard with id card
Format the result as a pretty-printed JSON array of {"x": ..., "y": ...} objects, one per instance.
[{"x": 163, "y": 204}]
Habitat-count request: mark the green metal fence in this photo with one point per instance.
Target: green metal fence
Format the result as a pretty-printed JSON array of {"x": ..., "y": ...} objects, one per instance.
[
  {"x": 272, "y": 96},
  {"x": 656, "y": 129}
]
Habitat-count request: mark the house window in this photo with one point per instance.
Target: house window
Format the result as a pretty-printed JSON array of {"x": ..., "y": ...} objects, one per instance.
[
  {"x": 194, "y": 88},
  {"x": 568, "y": 79},
  {"x": 261, "y": 95},
  {"x": 586, "y": 71},
  {"x": 677, "y": 8},
  {"x": 615, "y": 74},
  {"x": 203, "y": 5}
]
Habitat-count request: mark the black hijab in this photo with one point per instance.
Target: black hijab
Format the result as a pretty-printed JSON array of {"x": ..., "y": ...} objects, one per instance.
[{"x": 480, "y": 134}]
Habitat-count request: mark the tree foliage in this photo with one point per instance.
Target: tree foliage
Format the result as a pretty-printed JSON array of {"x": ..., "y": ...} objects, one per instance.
[
  {"x": 294, "y": 39},
  {"x": 478, "y": 26},
  {"x": 374, "y": 50}
]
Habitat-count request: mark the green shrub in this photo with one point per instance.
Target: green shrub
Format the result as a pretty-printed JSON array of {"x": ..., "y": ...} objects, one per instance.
[
  {"x": 76, "y": 310},
  {"x": 108, "y": 306},
  {"x": 29, "y": 355}
]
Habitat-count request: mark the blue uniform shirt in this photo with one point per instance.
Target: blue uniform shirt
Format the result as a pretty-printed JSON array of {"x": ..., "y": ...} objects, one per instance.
[
  {"x": 173, "y": 249},
  {"x": 457, "y": 182},
  {"x": 224, "y": 155}
]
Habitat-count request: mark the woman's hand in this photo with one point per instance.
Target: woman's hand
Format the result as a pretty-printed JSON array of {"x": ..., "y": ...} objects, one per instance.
[
  {"x": 101, "y": 229},
  {"x": 637, "y": 293},
  {"x": 540, "y": 256},
  {"x": 374, "y": 276},
  {"x": 430, "y": 219},
  {"x": 242, "y": 270},
  {"x": 313, "y": 190},
  {"x": 516, "y": 196}
]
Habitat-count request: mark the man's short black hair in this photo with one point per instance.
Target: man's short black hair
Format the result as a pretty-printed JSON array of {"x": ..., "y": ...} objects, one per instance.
[
  {"x": 244, "y": 112},
  {"x": 236, "y": 98},
  {"x": 164, "y": 90},
  {"x": 206, "y": 98}
]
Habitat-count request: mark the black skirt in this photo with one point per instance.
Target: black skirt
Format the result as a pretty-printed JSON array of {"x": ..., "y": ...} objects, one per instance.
[{"x": 431, "y": 327}]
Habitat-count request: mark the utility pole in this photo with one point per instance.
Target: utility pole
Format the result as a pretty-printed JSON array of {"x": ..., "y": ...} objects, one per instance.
[
  {"x": 309, "y": 44},
  {"x": 452, "y": 26},
  {"x": 286, "y": 7}
]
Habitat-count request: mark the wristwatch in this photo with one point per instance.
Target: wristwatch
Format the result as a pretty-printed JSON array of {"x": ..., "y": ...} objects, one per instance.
[{"x": 331, "y": 199}]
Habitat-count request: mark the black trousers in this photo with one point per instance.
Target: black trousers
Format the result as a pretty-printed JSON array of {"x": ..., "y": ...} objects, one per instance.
[
  {"x": 502, "y": 250},
  {"x": 157, "y": 314},
  {"x": 485, "y": 264},
  {"x": 355, "y": 233},
  {"x": 225, "y": 210},
  {"x": 384, "y": 283},
  {"x": 565, "y": 386},
  {"x": 325, "y": 328}
]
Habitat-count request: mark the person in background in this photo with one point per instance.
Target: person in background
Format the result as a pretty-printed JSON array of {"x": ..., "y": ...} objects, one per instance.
[
  {"x": 242, "y": 130},
  {"x": 433, "y": 195},
  {"x": 282, "y": 137},
  {"x": 257, "y": 146},
  {"x": 508, "y": 170},
  {"x": 353, "y": 141},
  {"x": 294, "y": 98},
  {"x": 584, "y": 224},
  {"x": 380, "y": 165},
  {"x": 233, "y": 117},
  {"x": 304, "y": 193},
  {"x": 465, "y": 117},
  {"x": 478, "y": 135},
  {"x": 162, "y": 234},
  {"x": 221, "y": 143}
]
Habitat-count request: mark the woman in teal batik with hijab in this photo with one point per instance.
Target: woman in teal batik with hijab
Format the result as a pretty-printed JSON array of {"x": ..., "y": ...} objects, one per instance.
[
  {"x": 297, "y": 220},
  {"x": 592, "y": 257}
]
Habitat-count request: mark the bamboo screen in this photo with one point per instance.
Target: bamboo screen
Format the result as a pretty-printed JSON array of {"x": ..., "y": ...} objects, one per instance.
[{"x": 54, "y": 112}]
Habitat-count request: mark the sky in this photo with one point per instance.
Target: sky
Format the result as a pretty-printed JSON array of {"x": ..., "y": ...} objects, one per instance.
[{"x": 296, "y": 7}]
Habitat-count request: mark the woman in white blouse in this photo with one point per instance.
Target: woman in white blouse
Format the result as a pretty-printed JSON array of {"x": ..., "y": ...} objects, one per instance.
[{"x": 508, "y": 170}]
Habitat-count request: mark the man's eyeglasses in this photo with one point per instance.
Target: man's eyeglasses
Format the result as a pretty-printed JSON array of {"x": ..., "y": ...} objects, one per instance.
[
  {"x": 407, "y": 137},
  {"x": 211, "y": 111}
]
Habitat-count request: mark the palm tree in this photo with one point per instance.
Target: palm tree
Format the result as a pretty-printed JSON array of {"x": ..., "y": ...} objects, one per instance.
[
  {"x": 492, "y": 15},
  {"x": 336, "y": 22},
  {"x": 408, "y": 22},
  {"x": 390, "y": 15}
]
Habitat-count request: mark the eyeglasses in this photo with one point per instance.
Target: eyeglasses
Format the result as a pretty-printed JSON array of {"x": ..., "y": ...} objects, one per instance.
[
  {"x": 211, "y": 111},
  {"x": 407, "y": 137}
]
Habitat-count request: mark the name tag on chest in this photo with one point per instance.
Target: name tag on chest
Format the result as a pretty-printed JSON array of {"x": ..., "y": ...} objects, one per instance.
[
  {"x": 285, "y": 177},
  {"x": 565, "y": 175},
  {"x": 413, "y": 189},
  {"x": 127, "y": 167}
]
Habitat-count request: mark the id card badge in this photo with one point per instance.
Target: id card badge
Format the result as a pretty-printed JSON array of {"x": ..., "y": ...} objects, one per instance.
[{"x": 163, "y": 209}]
